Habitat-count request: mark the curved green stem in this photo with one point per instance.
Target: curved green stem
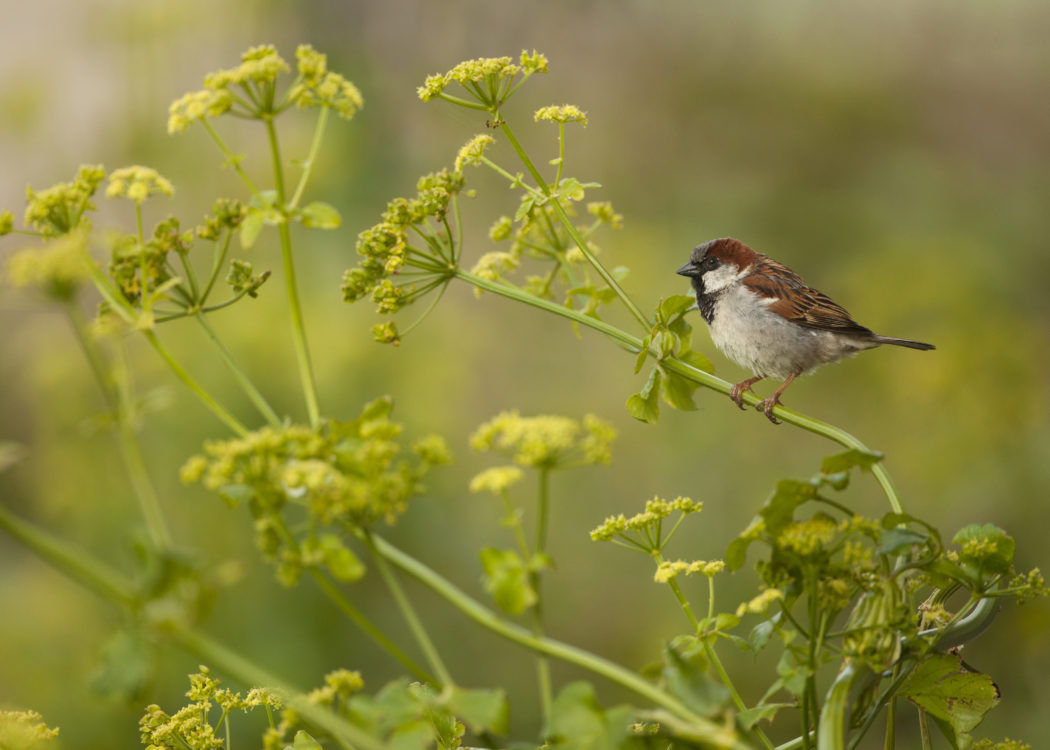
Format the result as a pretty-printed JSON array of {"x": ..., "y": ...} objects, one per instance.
[
  {"x": 570, "y": 228},
  {"x": 238, "y": 374},
  {"x": 444, "y": 678},
  {"x": 705, "y": 379},
  {"x": 358, "y": 618},
  {"x": 118, "y": 401},
  {"x": 214, "y": 406},
  {"x": 311, "y": 158},
  {"x": 719, "y": 735},
  {"x": 302, "y": 351}
]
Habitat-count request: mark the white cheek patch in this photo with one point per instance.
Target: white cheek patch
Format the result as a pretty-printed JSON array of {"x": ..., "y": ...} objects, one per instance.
[{"x": 721, "y": 277}]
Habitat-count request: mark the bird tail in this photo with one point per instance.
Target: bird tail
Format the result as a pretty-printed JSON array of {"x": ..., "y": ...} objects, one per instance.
[{"x": 904, "y": 342}]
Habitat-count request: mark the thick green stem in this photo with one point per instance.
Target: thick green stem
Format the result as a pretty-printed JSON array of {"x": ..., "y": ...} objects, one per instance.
[
  {"x": 214, "y": 406},
  {"x": 358, "y": 618},
  {"x": 302, "y": 351},
  {"x": 238, "y": 374},
  {"x": 720, "y": 735},
  {"x": 444, "y": 678}
]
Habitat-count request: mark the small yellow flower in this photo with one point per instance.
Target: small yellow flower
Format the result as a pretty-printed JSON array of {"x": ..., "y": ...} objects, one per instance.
[
  {"x": 472, "y": 151},
  {"x": 197, "y": 105},
  {"x": 21, "y": 730},
  {"x": 760, "y": 603},
  {"x": 137, "y": 183},
  {"x": 7, "y": 223},
  {"x": 561, "y": 114},
  {"x": 496, "y": 480},
  {"x": 57, "y": 268},
  {"x": 808, "y": 537}
]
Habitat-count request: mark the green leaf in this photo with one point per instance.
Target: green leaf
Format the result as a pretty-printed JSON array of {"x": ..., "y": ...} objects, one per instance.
[
  {"x": 125, "y": 667},
  {"x": 751, "y": 716},
  {"x": 676, "y": 304},
  {"x": 251, "y": 226},
  {"x": 320, "y": 215},
  {"x": 685, "y": 673},
  {"x": 985, "y": 547},
  {"x": 506, "y": 578},
  {"x": 696, "y": 359},
  {"x": 528, "y": 201},
  {"x": 779, "y": 509},
  {"x": 340, "y": 559},
  {"x": 578, "y": 722},
  {"x": 678, "y": 391},
  {"x": 792, "y": 673},
  {"x": 304, "y": 741},
  {"x": 898, "y": 540},
  {"x": 482, "y": 710},
  {"x": 645, "y": 405},
  {"x": 946, "y": 690},
  {"x": 848, "y": 460},
  {"x": 726, "y": 621},
  {"x": 760, "y": 634},
  {"x": 639, "y": 361}
]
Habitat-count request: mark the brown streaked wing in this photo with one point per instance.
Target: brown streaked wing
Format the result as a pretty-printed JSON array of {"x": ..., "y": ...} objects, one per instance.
[{"x": 799, "y": 303}]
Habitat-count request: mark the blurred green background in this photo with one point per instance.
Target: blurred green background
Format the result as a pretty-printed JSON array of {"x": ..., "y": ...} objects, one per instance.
[{"x": 893, "y": 153}]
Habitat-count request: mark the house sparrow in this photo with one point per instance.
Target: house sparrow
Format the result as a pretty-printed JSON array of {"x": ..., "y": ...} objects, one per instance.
[{"x": 762, "y": 316}]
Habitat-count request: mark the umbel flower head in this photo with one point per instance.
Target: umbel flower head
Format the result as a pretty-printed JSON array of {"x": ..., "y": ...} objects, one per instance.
[
  {"x": 343, "y": 475},
  {"x": 57, "y": 267},
  {"x": 61, "y": 208},
  {"x": 137, "y": 184},
  {"x": 488, "y": 80},
  {"x": 546, "y": 441}
]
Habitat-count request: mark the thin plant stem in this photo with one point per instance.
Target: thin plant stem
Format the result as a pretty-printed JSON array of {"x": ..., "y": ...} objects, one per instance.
[
  {"x": 214, "y": 406},
  {"x": 718, "y": 735},
  {"x": 570, "y": 228},
  {"x": 239, "y": 375},
  {"x": 343, "y": 603},
  {"x": 543, "y": 667},
  {"x": 130, "y": 452},
  {"x": 302, "y": 351},
  {"x": 232, "y": 159},
  {"x": 444, "y": 678},
  {"x": 311, "y": 158},
  {"x": 633, "y": 343}
]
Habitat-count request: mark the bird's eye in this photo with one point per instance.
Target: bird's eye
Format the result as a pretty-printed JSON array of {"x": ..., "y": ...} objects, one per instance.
[{"x": 709, "y": 263}]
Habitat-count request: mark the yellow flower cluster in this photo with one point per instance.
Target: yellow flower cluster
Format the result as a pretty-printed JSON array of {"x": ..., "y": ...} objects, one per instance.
[
  {"x": 472, "y": 151},
  {"x": 23, "y": 729},
  {"x": 668, "y": 570},
  {"x": 496, "y": 480},
  {"x": 56, "y": 268},
  {"x": 60, "y": 208},
  {"x": 561, "y": 114},
  {"x": 655, "y": 511},
  {"x": 760, "y": 603},
  {"x": 546, "y": 441},
  {"x": 137, "y": 183},
  {"x": 808, "y": 537},
  {"x": 484, "y": 75}
]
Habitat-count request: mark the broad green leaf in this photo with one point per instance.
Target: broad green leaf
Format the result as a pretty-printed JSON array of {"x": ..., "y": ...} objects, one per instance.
[
  {"x": 985, "y": 547},
  {"x": 696, "y": 359},
  {"x": 482, "y": 710},
  {"x": 751, "y": 716},
  {"x": 320, "y": 215},
  {"x": 726, "y": 621},
  {"x": 946, "y": 690},
  {"x": 415, "y": 734},
  {"x": 340, "y": 559},
  {"x": 251, "y": 226},
  {"x": 792, "y": 673},
  {"x": 896, "y": 540},
  {"x": 125, "y": 667},
  {"x": 506, "y": 578},
  {"x": 685, "y": 674},
  {"x": 645, "y": 405},
  {"x": 676, "y": 304},
  {"x": 578, "y": 722},
  {"x": 760, "y": 635},
  {"x": 779, "y": 509},
  {"x": 304, "y": 741},
  {"x": 678, "y": 391},
  {"x": 736, "y": 552},
  {"x": 848, "y": 460}
]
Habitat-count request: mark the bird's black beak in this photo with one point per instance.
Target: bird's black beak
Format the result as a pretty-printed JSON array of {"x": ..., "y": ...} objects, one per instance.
[{"x": 689, "y": 269}]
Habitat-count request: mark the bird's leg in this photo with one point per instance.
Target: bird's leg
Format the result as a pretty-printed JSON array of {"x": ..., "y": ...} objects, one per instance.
[
  {"x": 737, "y": 391},
  {"x": 766, "y": 405}
]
